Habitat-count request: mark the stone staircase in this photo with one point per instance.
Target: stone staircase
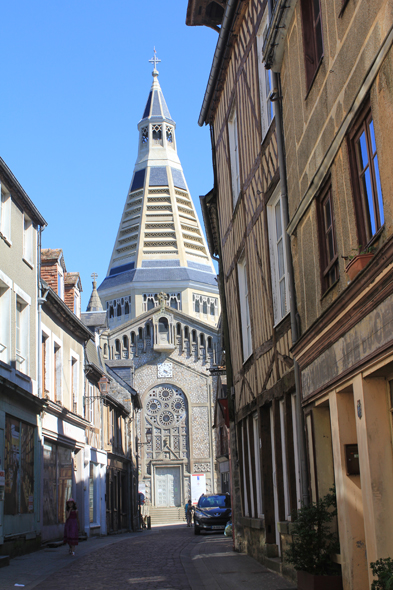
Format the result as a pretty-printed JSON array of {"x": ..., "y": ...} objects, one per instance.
[{"x": 166, "y": 515}]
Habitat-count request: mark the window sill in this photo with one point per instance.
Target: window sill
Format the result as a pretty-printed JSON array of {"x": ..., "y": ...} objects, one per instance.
[
  {"x": 281, "y": 320},
  {"x": 313, "y": 79},
  {"x": 28, "y": 263},
  {"x": 6, "y": 240},
  {"x": 325, "y": 293}
]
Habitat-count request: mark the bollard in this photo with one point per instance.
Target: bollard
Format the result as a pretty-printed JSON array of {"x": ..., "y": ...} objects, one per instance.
[{"x": 149, "y": 522}]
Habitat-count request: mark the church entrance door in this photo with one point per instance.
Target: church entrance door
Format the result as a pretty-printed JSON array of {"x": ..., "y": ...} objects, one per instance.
[{"x": 168, "y": 486}]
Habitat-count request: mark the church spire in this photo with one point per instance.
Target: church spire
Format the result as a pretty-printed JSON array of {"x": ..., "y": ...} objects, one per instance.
[{"x": 159, "y": 227}]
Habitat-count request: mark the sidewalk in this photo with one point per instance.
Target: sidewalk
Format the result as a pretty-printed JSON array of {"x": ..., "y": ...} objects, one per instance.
[
  {"x": 213, "y": 565},
  {"x": 164, "y": 558},
  {"x": 31, "y": 569}
]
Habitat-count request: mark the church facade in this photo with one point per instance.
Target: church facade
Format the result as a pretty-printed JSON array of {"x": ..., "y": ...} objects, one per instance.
[{"x": 161, "y": 299}]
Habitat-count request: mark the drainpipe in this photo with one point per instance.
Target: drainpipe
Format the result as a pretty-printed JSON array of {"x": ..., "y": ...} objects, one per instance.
[
  {"x": 40, "y": 302},
  {"x": 276, "y": 80}
]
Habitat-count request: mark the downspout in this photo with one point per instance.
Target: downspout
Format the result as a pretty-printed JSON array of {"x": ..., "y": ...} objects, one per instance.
[
  {"x": 276, "y": 80},
  {"x": 40, "y": 302}
]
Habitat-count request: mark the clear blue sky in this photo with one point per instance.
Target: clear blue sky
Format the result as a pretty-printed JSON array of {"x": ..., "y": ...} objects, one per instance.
[{"x": 75, "y": 78}]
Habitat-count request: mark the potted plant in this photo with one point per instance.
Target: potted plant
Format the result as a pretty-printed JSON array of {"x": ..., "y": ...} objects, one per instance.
[
  {"x": 358, "y": 261},
  {"x": 314, "y": 542},
  {"x": 383, "y": 569}
]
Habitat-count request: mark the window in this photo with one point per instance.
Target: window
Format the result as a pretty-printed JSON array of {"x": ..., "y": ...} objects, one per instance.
[
  {"x": 278, "y": 257},
  {"x": 327, "y": 239},
  {"x": 265, "y": 80},
  {"x": 366, "y": 179},
  {"x": 28, "y": 239},
  {"x": 234, "y": 155},
  {"x": 22, "y": 334},
  {"x": 312, "y": 37},
  {"x": 5, "y": 315},
  {"x": 57, "y": 482},
  {"x": 5, "y": 213},
  {"x": 57, "y": 371},
  {"x": 74, "y": 384},
  {"x": 244, "y": 308},
  {"x": 258, "y": 477},
  {"x": 92, "y": 494},
  {"x": 18, "y": 466},
  {"x": 60, "y": 284},
  {"x": 45, "y": 363},
  {"x": 77, "y": 304}
]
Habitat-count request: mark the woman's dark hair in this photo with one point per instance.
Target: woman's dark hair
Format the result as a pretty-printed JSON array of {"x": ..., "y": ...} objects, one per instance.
[{"x": 74, "y": 507}]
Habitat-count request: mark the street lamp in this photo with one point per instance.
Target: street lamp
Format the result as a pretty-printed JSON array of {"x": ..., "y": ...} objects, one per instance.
[
  {"x": 103, "y": 385},
  {"x": 148, "y": 437}
]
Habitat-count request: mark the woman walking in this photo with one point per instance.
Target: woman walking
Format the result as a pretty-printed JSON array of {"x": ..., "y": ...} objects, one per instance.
[{"x": 71, "y": 528}]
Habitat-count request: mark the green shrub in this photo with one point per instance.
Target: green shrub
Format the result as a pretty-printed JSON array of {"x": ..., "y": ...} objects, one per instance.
[
  {"x": 313, "y": 540},
  {"x": 383, "y": 569}
]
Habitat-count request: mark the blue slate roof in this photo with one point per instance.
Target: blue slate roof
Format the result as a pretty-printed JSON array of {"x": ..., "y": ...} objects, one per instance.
[
  {"x": 158, "y": 176},
  {"x": 156, "y": 105},
  {"x": 139, "y": 179},
  {"x": 159, "y": 275},
  {"x": 178, "y": 178}
]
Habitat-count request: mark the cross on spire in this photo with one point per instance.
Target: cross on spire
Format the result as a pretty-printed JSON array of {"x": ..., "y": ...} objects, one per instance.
[
  {"x": 94, "y": 276},
  {"x": 154, "y": 60}
]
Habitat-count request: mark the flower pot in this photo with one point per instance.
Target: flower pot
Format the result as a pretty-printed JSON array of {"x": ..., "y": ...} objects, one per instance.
[
  {"x": 306, "y": 581},
  {"x": 357, "y": 264}
]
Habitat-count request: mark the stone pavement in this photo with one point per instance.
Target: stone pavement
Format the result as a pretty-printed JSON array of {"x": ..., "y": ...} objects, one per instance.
[{"x": 165, "y": 558}]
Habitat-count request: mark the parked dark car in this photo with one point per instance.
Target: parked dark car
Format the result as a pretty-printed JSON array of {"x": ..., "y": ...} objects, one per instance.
[{"x": 212, "y": 512}]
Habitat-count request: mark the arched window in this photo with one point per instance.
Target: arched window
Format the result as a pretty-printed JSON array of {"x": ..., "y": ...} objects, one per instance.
[
  {"x": 163, "y": 330},
  {"x": 202, "y": 339},
  {"x": 150, "y": 303},
  {"x": 178, "y": 329},
  {"x": 209, "y": 342},
  {"x": 105, "y": 350},
  {"x": 140, "y": 334},
  {"x": 186, "y": 332},
  {"x": 205, "y": 307},
  {"x": 118, "y": 313},
  {"x": 197, "y": 306},
  {"x": 148, "y": 330},
  {"x": 125, "y": 347},
  {"x": 212, "y": 309},
  {"x": 194, "y": 336},
  {"x": 173, "y": 302},
  {"x": 132, "y": 337},
  {"x": 117, "y": 348},
  {"x": 126, "y": 308},
  {"x": 111, "y": 311}
]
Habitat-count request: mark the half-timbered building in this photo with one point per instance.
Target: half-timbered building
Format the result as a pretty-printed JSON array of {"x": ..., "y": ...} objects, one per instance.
[
  {"x": 335, "y": 61},
  {"x": 245, "y": 222}
]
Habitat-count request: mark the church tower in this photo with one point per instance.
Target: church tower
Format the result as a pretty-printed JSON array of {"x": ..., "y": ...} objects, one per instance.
[
  {"x": 161, "y": 300},
  {"x": 159, "y": 240}
]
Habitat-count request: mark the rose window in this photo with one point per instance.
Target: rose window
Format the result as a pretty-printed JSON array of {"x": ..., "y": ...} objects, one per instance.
[
  {"x": 165, "y": 412},
  {"x": 153, "y": 406}
]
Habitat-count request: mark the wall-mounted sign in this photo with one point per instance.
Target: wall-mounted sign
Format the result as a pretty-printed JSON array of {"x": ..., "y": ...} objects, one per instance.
[{"x": 198, "y": 486}]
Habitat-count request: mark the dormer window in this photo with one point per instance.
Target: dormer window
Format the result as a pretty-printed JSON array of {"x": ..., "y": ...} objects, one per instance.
[
  {"x": 60, "y": 284},
  {"x": 157, "y": 134},
  {"x": 145, "y": 135}
]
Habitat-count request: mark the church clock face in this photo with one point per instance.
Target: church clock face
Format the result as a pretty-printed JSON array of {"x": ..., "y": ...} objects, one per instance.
[{"x": 164, "y": 370}]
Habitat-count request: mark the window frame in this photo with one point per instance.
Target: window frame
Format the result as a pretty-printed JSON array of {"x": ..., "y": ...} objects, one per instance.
[
  {"x": 234, "y": 156},
  {"x": 326, "y": 265},
  {"x": 362, "y": 122},
  {"x": 244, "y": 303},
  {"x": 312, "y": 60},
  {"x": 5, "y": 214},
  {"x": 28, "y": 240},
  {"x": 22, "y": 331},
  {"x": 5, "y": 315},
  {"x": 274, "y": 258},
  {"x": 265, "y": 80}
]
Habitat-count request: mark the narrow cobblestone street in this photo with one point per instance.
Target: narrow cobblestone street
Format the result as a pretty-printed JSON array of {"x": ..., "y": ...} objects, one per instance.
[{"x": 166, "y": 558}]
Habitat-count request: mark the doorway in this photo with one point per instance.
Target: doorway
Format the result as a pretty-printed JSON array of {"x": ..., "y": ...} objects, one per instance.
[{"x": 168, "y": 486}]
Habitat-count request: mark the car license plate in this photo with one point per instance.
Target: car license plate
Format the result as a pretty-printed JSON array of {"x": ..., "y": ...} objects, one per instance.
[{"x": 218, "y": 526}]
